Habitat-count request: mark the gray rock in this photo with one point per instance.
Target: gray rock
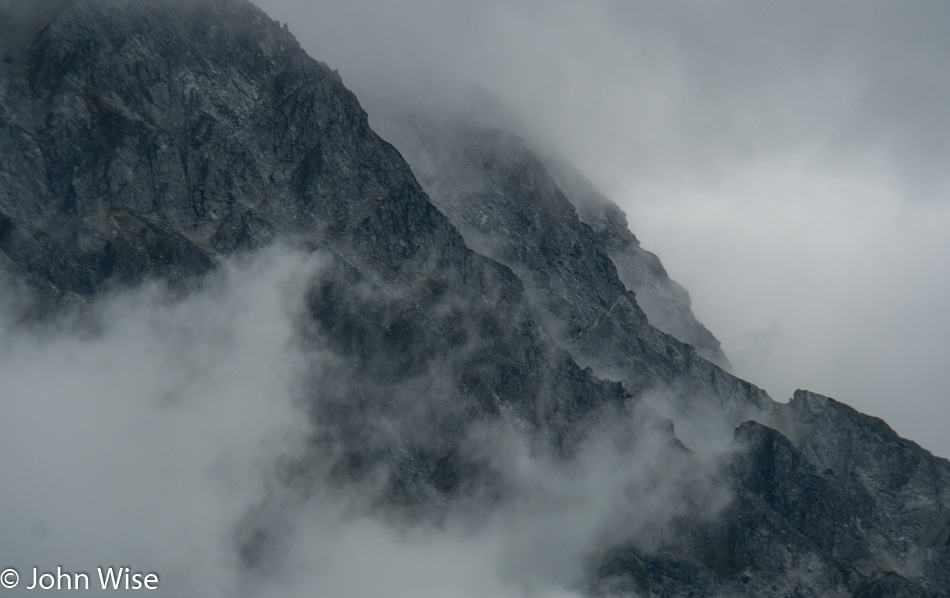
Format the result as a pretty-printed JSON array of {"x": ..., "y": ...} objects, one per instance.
[
  {"x": 507, "y": 205},
  {"x": 153, "y": 139},
  {"x": 666, "y": 303}
]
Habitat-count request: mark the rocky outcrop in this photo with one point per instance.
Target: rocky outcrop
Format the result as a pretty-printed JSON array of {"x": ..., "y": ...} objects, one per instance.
[
  {"x": 506, "y": 204},
  {"x": 147, "y": 144},
  {"x": 666, "y": 303},
  {"x": 153, "y": 139}
]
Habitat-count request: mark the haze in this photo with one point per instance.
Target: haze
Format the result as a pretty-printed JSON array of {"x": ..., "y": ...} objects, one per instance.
[{"x": 785, "y": 161}]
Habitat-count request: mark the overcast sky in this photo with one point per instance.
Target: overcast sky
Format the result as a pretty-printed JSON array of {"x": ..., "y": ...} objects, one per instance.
[{"x": 786, "y": 161}]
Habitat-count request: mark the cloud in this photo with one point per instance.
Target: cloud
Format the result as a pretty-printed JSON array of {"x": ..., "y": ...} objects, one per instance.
[
  {"x": 625, "y": 484},
  {"x": 782, "y": 162},
  {"x": 646, "y": 89},
  {"x": 157, "y": 430},
  {"x": 818, "y": 279},
  {"x": 139, "y": 444}
]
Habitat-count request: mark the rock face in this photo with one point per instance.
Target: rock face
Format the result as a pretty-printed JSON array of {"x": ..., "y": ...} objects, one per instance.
[
  {"x": 666, "y": 302},
  {"x": 480, "y": 175},
  {"x": 828, "y": 530},
  {"x": 153, "y": 139},
  {"x": 166, "y": 143},
  {"x": 577, "y": 264}
]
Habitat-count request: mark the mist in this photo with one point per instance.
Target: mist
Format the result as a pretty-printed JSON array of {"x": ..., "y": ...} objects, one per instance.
[
  {"x": 140, "y": 439},
  {"x": 154, "y": 428},
  {"x": 786, "y": 162}
]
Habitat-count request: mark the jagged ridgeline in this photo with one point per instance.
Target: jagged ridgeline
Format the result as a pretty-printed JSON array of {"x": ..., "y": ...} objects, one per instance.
[{"x": 492, "y": 310}]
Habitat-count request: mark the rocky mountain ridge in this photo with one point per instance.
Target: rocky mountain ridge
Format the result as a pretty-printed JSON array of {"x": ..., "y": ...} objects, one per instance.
[{"x": 154, "y": 139}]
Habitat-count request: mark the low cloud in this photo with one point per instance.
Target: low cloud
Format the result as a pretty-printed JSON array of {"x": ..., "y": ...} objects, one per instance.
[
  {"x": 627, "y": 484},
  {"x": 141, "y": 443},
  {"x": 160, "y": 428}
]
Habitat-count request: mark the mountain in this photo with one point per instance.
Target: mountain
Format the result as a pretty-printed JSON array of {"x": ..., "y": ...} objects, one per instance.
[
  {"x": 483, "y": 309},
  {"x": 509, "y": 206},
  {"x": 468, "y": 169},
  {"x": 666, "y": 303}
]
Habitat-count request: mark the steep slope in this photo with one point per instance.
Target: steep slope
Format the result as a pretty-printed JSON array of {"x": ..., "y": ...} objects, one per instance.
[
  {"x": 154, "y": 139},
  {"x": 457, "y": 157},
  {"x": 666, "y": 303},
  {"x": 874, "y": 524},
  {"x": 212, "y": 147},
  {"x": 808, "y": 527},
  {"x": 508, "y": 207}
]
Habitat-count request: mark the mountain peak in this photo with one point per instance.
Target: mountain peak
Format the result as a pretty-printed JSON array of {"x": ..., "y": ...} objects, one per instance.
[{"x": 478, "y": 347}]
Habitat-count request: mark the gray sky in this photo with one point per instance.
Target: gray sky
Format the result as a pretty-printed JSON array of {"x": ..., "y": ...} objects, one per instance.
[
  {"x": 785, "y": 160},
  {"x": 785, "y": 163}
]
